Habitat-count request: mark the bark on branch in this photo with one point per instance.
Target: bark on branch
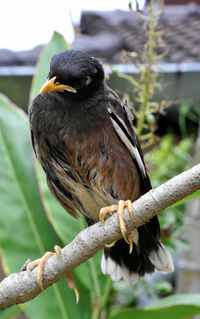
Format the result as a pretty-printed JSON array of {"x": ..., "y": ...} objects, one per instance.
[{"x": 20, "y": 287}]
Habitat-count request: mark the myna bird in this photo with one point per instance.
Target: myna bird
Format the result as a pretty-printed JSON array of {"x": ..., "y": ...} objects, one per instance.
[{"x": 82, "y": 135}]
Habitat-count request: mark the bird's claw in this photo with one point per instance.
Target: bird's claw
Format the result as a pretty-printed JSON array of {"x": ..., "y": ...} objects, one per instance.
[
  {"x": 120, "y": 212},
  {"x": 40, "y": 262},
  {"x": 23, "y": 268},
  {"x": 110, "y": 245},
  {"x": 58, "y": 249},
  {"x": 130, "y": 240},
  {"x": 72, "y": 285},
  {"x": 105, "y": 210}
]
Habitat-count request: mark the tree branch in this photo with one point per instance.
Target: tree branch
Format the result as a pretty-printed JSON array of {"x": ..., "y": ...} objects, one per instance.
[{"x": 21, "y": 287}]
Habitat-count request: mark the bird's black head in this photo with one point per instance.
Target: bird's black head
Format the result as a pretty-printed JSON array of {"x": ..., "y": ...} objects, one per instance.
[{"x": 75, "y": 73}]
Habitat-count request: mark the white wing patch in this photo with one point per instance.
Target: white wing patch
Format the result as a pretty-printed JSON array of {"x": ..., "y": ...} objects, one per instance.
[{"x": 133, "y": 149}]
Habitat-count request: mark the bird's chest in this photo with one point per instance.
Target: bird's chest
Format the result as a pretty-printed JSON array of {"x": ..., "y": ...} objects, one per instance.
[
  {"x": 76, "y": 155},
  {"x": 81, "y": 124}
]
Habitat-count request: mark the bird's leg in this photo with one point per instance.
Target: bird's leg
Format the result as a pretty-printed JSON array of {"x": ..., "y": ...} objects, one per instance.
[
  {"x": 120, "y": 212},
  {"x": 40, "y": 262}
]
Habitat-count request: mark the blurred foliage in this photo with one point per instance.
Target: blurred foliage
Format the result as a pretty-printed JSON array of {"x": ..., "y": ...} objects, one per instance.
[
  {"x": 169, "y": 156},
  {"x": 168, "y": 159},
  {"x": 173, "y": 307},
  {"x": 40, "y": 222},
  {"x": 164, "y": 287},
  {"x": 145, "y": 86},
  {"x": 186, "y": 114}
]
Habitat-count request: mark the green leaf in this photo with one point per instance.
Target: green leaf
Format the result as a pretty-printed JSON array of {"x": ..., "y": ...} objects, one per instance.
[
  {"x": 56, "y": 45},
  {"x": 130, "y": 5},
  {"x": 177, "y": 300},
  {"x": 64, "y": 298},
  {"x": 176, "y": 312},
  {"x": 20, "y": 201},
  {"x": 25, "y": 230},
  {"x": 9, "y": 312},
  {"x": 173, "y": 307},
  {"x": 163, "y": 287}
]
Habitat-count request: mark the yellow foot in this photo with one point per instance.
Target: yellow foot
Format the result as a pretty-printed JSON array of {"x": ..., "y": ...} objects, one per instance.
[
  {"x": 110, "y": 245},
  {"x": 40, "y": 263},
  {"x": 120, "y": 212}
]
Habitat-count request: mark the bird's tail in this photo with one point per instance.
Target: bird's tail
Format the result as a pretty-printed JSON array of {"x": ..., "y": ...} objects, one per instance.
[{"x": 148, "y": 253}]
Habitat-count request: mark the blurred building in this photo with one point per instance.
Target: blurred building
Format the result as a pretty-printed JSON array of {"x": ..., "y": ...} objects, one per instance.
[
  {"x": 121, "y": 30},
  {"x": 106, "y": 34}
]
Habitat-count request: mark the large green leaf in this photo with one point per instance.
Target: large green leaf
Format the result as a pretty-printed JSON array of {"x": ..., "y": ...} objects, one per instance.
[
  {"x": 25, "y": 230},
  {"x": 10, "y": 312},
  {"x": 57, "y": 44},
  {"x": 175, "y": 312},
  {"x": 173, "y": 307}
]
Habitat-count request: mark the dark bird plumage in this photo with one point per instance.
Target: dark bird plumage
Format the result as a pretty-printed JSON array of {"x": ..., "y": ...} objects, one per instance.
[{"x": 83, "y": 137}]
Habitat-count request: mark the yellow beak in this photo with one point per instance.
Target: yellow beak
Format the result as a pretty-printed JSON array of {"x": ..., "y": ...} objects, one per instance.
[{"x": 50, "y": 86}]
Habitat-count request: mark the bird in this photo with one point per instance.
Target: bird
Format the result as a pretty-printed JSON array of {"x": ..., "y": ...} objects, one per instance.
[{"x": 83, "y": 136}]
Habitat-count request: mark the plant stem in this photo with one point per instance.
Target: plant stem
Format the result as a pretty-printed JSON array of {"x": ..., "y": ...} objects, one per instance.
[
  {"x": 147, "y": 75},
  {"x": 97, "y": 299},
  {"x": 100, "y": 304},
  {"x": 94, "y": 277},
  {"x": 107, "y": 291},
  {"x": 92, "y": 268},
  {"x": 96, "y": 311}
]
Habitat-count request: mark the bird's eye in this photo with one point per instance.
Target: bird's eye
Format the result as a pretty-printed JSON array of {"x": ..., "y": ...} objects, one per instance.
[
  {"x": 88, "y": 80},
  {"x": 83, "y": 82}
]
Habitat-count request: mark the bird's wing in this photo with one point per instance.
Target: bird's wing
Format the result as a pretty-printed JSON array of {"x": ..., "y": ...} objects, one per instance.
[
  {"x": 122, "y": 120},
  {"x": 59, "y": 177}
]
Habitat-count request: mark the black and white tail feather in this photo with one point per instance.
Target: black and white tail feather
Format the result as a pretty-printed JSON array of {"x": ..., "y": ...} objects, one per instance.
[{"x": 148, "y": 251}]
